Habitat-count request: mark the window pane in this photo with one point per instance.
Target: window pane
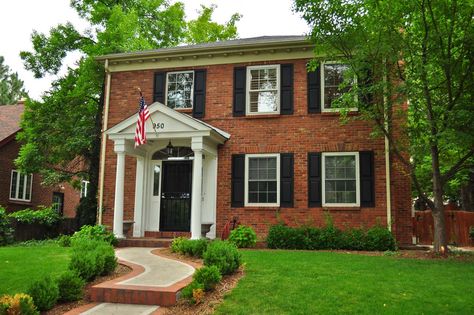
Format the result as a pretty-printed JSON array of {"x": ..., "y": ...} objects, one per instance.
[
  {"x": 180, "y": 86},
  {"x": 156, "y": 180},
  {"x": 28, "y": 187},
  {"x": 340, "y": 181},
  {"x": 21, "y": 186},
  {"x": 333, "y": 78},
  {"x": 13, "y": 184},
  {"x": 263, "y": 93},
  {"x": 253, "y": 197},
  {"x": 262, "y": 180}
]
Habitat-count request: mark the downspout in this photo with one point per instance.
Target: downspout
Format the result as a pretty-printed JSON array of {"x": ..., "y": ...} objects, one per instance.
[
  {"x": 388, "y": 191},
  {"x": 104, "y": 141}
]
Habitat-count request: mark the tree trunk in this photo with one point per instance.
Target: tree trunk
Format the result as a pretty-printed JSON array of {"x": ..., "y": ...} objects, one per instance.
[
  {"x": 467, "y": 194},
  {"x": 440, "y": 240}
]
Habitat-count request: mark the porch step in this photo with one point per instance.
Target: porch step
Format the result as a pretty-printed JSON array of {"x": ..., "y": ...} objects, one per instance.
[
  {"x": 170, "y": 234},
  {"x": 145, "y": 242}
]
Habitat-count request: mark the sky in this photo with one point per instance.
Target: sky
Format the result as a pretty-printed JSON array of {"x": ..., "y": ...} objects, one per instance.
[{"x": 18, "y": 19}]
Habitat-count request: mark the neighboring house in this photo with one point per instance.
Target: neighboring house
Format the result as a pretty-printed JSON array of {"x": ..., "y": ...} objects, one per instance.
[
  {"x": 242, "y": 130},
  {"x": 20, "y": 191}
]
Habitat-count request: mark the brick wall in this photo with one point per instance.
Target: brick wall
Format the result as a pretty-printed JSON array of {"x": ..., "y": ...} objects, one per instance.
[
  {"x": 299, "y": 133},
  {"x": 40, "y": 195}
]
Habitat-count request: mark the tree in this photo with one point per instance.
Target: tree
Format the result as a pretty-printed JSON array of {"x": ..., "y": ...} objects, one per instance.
[
  {"x": 11, "y": 87},
  {"x": 62, "y": 132},
  {"x": 421, "y": 51}
]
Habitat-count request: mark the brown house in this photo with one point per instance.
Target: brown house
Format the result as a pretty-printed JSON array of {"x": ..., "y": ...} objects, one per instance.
[
  {"x": 241, "y": 130},
  {"x": 20, "y": 191}
]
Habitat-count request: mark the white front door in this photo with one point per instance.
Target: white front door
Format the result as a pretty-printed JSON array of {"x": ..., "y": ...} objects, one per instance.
[{"x": 153, "y": 223}]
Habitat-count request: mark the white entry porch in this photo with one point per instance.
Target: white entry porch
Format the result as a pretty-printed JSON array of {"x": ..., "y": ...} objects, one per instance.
[{"x": 176, "y": 173}]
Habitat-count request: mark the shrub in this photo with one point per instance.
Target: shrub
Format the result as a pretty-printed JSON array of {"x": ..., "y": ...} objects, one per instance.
[
  {"x": 189, "y": 247},
  {"x": 177, "y": 244},
  {"x": 189, "y": 292},
  {"x": 6, "y": 230},
  {"x": 95, "y": 232},
  {"x": 91, "y": 258},
  {"x": 354, "y": 239},
  {"x": 380, "y": 238},
  {"x": 208, "y": 276},
  {"x": 44, "y": 292},
  {"x": 84, "y": 264},
  {"x": 44, "y": 215},
  {"x": 198, "y": 247},
  {"x": 70, "y": 286},
  {"x": 223, "y": 255},
  {"x": 243, "y": 236},
  {"x": 19, "y": 303},
  {"x": 471, "y": 232},
  {"x": 64, "y": 240}
]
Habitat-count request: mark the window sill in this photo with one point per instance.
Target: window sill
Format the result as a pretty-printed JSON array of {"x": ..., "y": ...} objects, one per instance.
[
  {"x": 185, "y": 110},
  {"x": 261, "y": 116},
  {"x": 19, "y": 202},
  {"x": 341, "y": 208},
  {"x": 337, "y": 113}
]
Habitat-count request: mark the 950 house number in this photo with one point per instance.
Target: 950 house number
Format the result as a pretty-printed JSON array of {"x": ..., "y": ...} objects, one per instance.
[{"x": 159, "y": 125}]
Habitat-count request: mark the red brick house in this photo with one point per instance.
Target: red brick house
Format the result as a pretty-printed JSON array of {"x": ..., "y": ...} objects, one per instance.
[
  {"x": 242, "y": 130},
  {"x": 20, "y": 191}
]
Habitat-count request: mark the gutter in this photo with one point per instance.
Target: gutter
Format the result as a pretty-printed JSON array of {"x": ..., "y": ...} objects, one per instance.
[
  {"x": 388, "y": 191},
  {"x": 104, "y": 141}
]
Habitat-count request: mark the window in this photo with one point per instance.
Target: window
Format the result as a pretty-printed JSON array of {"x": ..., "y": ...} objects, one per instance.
[
  {"x": 20, "y": 186},
  {"x": 263, "y": 86},
  {"x": 179, "y": 89},
  {"x": 84, "y": 188},
  {"x": 58, "y": 202},
  {"x": 262, "y": 180},
  {"x": 332, "y": 75},
  {"x": 340, "y": 173}
]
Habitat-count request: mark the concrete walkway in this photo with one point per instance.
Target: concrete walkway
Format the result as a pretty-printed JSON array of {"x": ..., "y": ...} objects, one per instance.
[{"x": 156, "y": 273}]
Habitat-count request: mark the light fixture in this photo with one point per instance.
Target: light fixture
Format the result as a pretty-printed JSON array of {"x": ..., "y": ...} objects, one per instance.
[{"x": 169, "y": 149}]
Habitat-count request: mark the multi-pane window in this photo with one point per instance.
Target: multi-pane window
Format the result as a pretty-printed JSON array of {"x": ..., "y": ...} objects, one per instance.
[
  {"x": 340, "y": 173},
  {"x": 20, "y": 186},
  {"x": 332, "y": 77},
  {"x": 84, "y": 188},
  {"x": 263, "y": 89},
  {"x": 180, "y": 89},
  {"x": 58, "y": 202},
  {"x": 262, "y": 179}
]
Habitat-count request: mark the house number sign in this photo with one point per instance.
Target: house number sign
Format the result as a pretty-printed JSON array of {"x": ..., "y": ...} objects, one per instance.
[{"x": 158, "y": 125}]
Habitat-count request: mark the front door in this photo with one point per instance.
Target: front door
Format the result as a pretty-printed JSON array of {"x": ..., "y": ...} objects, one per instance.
[{"x": 175, "y": 204}]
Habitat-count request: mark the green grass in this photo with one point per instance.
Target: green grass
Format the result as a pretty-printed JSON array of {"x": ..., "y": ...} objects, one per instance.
[
  {"x": 21, "y": 265},
  {"x": 292, "y": 282}
]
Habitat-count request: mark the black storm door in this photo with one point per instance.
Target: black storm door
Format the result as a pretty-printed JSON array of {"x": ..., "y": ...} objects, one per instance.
[{"x": 175, "y": 209}]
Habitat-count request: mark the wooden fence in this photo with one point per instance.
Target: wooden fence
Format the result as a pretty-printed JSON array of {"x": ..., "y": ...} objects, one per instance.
[
  {"x": 25, "y": 232},
  {"x": 457, "y": 226}
]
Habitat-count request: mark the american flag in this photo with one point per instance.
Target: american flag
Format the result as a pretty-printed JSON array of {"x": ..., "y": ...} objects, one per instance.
[{"x": 140, "y": 131}]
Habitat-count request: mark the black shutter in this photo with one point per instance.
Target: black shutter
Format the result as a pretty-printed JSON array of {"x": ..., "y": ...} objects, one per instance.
[
  {"x": 199, "y": 93},
  {"x": 367, "y": 96},
  {"x": 159, "y": 87},
  {"x": 367, "y": 180},
  {"x": 286, "y": 89},
  {"x": 314, "y": 180},
  {"x": 286, "y": 180},
  {"x": 238, "y": 178},
  {"x": 314, "y": 91},
  {"x": 240, "y": 74}
]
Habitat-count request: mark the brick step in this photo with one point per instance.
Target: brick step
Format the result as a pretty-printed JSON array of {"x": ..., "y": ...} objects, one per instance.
[
  {"x": 145, "y": 242},
  {"x": 139, "y": 295},
  {"x": 169, "y": 234}
]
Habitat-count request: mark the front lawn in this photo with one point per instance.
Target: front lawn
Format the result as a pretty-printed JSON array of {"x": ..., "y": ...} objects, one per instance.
[
  {"x": 20, "y": 266},
  {"x": 299, "y": 282}
]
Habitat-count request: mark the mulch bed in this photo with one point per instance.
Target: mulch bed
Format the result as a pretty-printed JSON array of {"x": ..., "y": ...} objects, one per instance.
[{"x": 66, "y": 307}]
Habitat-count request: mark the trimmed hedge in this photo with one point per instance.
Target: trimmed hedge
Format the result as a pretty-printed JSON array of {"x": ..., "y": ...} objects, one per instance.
[
  {"x": 71, "y": 287},
  {"x": 189, "y": 247},
  {"x": 376, "y": 238},
  {"x": 91, "y": 258}
]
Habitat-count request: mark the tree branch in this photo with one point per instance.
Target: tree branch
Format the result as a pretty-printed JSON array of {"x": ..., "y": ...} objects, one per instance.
[{"x": 456, "y": 167}]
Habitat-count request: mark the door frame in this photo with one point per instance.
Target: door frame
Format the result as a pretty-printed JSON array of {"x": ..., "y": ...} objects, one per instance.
[{"x": 153, "y": 219}]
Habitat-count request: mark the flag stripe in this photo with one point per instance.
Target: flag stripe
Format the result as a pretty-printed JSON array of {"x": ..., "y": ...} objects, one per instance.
[{"x": 140, "y": 131}]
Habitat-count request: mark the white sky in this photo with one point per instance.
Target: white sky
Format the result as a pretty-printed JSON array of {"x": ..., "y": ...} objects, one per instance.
[{"x": 18, "y": 18}]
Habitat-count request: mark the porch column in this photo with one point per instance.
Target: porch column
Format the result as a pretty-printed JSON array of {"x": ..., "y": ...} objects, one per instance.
[
  {"x": 197, "y": 147},
  {"x": 119, "y": 189},
  {"x": 139, "y": 187}
]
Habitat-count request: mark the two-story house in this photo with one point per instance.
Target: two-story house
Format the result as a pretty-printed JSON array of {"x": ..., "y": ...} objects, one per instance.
[{"x": 242, "y": 129}]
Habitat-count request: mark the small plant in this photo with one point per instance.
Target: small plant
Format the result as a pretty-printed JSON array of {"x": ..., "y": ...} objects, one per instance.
[
  {"x": 224, "y": 255},
  {"x": 198, "y": 295},
  {"x": 44, "y": 215},
  {"x": 243, "y": 237},
  {"x": 95, "y": 232},
  {"x": 70, "y": 286},
  {"x": 45, "y": 293},
  {"x": 209, "y": 276},
  {"x": 20, "y": 303},
  {"x": 188, "y": 292},
  {"x": 177, "y": 244},
  {"x": 64, "y": 240},
  {"x": 6, "y": 231}
]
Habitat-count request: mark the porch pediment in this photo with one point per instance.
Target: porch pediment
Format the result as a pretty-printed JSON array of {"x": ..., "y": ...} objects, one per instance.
[{"x": 169, "y": 123}]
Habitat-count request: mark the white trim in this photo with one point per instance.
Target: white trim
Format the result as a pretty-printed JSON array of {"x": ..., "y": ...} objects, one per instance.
[
  {"x": 247, "y": 157},
  {"x": 25, "y": 176},
  {"x": 86, "y": 188},
  {"x": 357, "y": 176},
  {"x": 321, "y": 75},
  {"x": 247, "y": 89},
  {"x": 192, "y": 88}
]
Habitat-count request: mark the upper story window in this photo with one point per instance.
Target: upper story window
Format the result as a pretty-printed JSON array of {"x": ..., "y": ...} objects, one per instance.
[
  {"x": 179, "y": 89},
  {"x": 84, "y": 188},
  {"x": 20, "y": 186},
  {"x": 332, "y": 76},
  {"x": 263, "y": 86},
  {"x": 340, "y": 174},
  {"x": 262, "y": 179}
]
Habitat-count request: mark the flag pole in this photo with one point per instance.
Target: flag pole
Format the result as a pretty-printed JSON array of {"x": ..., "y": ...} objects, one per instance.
[{"x": 152, "y": 122}]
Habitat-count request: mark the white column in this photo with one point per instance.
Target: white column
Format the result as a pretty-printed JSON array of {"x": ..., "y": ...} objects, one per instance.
[
  {"x": 139, "y": 186},
  {"x": 119, "y": 189},
  {"x": 196, "y": 146}
]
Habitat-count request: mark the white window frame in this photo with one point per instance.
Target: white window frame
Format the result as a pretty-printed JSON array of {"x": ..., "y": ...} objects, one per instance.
[
  {"x": 247, "y": 158},
  {"x": 247, "y": 96},
  {"x": 332, "y": 110},
  {"x": 192, "y": 88},
  {"x": 357, "y": 177},
  {"x": 86, "y": 188},
  {"x": 25, "y": 176}
]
